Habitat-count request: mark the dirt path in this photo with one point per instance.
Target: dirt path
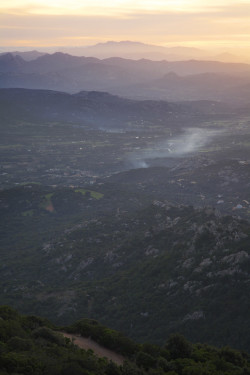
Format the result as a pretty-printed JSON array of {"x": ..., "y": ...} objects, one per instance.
[{"x": 100, "y": 351}]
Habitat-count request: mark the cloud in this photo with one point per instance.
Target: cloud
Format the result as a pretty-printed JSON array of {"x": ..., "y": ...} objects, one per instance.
[
  {"x": 125, "y": 7},
  {"x": 64, "y": 22}
]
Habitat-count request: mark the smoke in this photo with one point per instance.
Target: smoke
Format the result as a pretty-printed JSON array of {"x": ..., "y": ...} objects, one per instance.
[{"x": 190, "y": 142}]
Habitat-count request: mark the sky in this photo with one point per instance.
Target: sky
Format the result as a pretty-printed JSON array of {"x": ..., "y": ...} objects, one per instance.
[{"x": 220, "y": 24}]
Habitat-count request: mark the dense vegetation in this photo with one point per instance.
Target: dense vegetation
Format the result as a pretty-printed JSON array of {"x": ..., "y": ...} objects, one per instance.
[
  {"x": 32, "y": 345},
  {"x": 150, "y": 251},
  {"x": 148, "y": 270}
]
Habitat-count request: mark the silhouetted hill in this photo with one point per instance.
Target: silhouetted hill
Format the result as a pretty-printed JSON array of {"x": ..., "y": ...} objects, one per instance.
[
  {"x": 117, "y": 75},
  {"x": 98, "y": 108},
  {"x": 11, "y": 63},
  {"x": 136, "y": 50},
  {"x": 57, "y": 62},
  {"x": 208, "y": 86},
  {"x": 26, "y": 55}
]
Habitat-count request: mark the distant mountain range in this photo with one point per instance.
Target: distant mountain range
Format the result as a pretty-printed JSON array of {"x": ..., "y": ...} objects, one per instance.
[
  {"x": 26, "y": 55},
  {"x": 207, "y": 86},
  {"x": 136, "y": 50},
  {"x": 123, "y": 49},
  {"x": 142, "y": 79}
]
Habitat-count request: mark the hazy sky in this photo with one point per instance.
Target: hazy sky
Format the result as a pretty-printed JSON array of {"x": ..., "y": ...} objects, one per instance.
[{"x": 199, "y": 23}]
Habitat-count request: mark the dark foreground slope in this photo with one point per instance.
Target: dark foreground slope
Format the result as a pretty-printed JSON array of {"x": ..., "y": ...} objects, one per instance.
[{"x": 32, "y": 345}]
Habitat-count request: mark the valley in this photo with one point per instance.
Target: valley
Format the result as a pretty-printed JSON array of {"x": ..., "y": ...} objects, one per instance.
[
  {"x": 134, "y": 213},
  {"x": 124, "y": 187}
]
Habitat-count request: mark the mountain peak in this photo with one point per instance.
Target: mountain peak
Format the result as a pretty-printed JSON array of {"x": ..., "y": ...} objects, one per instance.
[
  {"x": 10, "y": 57},
  {"x": 10, "y": 62},
  {"x": 121, "y": 42}
]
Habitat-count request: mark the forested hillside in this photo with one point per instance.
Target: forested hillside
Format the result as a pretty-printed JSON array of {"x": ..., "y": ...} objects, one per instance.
[
  {"x": 148, "y": 269},
  {"x": 33, "y": 345}
]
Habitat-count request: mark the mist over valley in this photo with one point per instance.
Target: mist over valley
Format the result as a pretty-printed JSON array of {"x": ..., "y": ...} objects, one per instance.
[{"x": 125, "y": 194}]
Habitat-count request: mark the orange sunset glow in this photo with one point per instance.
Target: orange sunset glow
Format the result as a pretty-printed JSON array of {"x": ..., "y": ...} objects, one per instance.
[{"x": 222, "y": 25}]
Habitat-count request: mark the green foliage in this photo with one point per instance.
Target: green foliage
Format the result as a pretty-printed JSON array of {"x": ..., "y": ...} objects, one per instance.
[
  {"x": 232, "y": 356},
  {"x": 7, "y": 313},
  {"x": 32, "y": 322},
  {"x": 48, "y": 335},
  {"x": 179, "y": 347},
  {"x": 91, "y": 193},
  {"x": 19, "y": 344},
  {"x": 145, "y": 360},
  {"x": 109, "y": 338},
  {"x": 112, "y": 369},
  {"x": 29, "y": 346},
  {"x": 37, "y": 349},
  {"x": 147, "y": 270}
]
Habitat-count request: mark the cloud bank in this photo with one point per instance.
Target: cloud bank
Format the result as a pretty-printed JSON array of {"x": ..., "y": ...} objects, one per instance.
[{"x": 63, "y": 23}]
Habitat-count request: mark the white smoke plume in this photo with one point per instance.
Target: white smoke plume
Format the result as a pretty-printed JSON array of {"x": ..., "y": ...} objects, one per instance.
[{"x": 190, "y": 142}]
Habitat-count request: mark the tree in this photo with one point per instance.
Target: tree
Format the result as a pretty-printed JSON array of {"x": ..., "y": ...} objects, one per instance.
[{"x": 179, "y": 347}]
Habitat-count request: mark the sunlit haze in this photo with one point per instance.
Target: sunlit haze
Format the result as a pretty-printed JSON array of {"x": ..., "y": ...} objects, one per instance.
[{"x": 221, "y": 25}]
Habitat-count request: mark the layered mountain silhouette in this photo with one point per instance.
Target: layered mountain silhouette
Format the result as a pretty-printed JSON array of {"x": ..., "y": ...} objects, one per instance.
[{"x": 192, "y": 80}]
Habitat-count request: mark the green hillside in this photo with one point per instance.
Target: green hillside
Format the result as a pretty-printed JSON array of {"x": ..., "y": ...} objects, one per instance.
[
  {"x": 148, "y": 269},
  {"x": 129, "y": 212},
  {"x": 33, "y": 345}
]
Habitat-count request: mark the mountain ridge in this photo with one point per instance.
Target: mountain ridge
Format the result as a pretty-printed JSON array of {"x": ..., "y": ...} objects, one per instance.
[
  {"x": 97, "y": 108},
  {"x": 129, "y": 78}
]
